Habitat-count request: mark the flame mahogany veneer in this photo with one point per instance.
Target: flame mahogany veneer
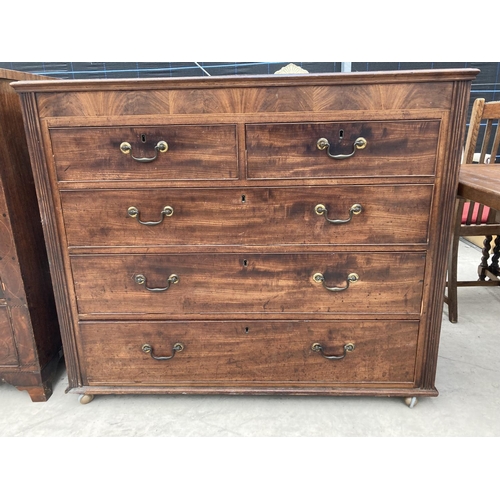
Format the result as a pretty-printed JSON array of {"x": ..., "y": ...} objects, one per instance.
[{"x": 189, "y": 219}]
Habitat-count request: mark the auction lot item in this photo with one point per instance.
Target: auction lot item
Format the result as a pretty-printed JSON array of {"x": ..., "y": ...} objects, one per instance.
[{"x": 282, "y": 234}]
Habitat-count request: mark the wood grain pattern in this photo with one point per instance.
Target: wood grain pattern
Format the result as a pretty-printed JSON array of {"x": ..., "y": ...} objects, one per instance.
[
  {"x": 103, "y": 103},
  {"x": 50, "y": 230},
  {"x": 244, "y": 239},
  {"x": 232, "y": 284},
  {"x": 30, "y": 343},
  {"x": 253, "y": 352},
  {"x": 248, "y": 216},
  {"x": 240, "y": 96},
  {"x": 281, "y": 151},
  {"x": 386, "y": 97},
  {"x": 480, "y": 183},
  {"x": 194, "y": 152},
  {"x": 446, "y": 190},
  {"x": 8, "y": 352}
]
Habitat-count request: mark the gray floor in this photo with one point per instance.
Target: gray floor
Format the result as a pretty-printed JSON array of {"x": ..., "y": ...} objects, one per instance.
[{"x": 467, "y": 379}]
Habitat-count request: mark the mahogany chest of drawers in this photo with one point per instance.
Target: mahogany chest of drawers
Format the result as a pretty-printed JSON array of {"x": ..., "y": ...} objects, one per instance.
[
  {"x": 249, "y": 235},
  {"x": 30, "y": 342}
]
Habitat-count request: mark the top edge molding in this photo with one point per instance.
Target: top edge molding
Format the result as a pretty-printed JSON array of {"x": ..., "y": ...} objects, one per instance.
[{"x": 374, "y": 77}]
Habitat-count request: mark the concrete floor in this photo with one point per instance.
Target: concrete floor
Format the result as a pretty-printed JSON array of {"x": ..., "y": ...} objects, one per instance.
[{"x": 467, "y": 378}]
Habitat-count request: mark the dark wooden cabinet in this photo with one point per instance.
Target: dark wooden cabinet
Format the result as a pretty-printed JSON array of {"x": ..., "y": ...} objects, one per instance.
[
  {"x": 30, "y": 342},
  {"x": 249, "y": 235}
]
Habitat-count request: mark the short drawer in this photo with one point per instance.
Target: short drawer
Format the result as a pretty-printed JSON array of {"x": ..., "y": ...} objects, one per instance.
[
  {"x": 226, "y": 353},
  {"x": 107, "y": 153},
  {"x": 393, "y": 148},
  {"x": 278, "y": 216},
  {"x": 231, "y": 284}
]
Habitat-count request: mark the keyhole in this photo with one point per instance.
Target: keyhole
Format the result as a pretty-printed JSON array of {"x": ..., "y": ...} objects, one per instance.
[
  {"x": 246, "y": 329},
  {"x": 245, "y": 262},
  {"x": 143, "y": 137},
  {"x": 243, "y": 198},
  {"x": 341, "y": 134}
]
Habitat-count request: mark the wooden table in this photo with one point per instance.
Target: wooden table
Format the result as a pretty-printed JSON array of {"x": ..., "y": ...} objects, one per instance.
[{"x": 480, "y": 183}]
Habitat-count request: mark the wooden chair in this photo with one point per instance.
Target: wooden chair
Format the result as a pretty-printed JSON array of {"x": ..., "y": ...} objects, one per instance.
[{"x": 474, "y": 219}]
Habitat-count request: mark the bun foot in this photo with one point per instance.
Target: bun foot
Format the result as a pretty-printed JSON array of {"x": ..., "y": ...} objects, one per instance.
[
  {"x": 411, "y": 402},
  {"x": 85, "y": 399}
]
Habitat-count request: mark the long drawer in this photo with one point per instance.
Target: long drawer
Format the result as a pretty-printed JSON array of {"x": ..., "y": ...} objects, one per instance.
[
  {"x": 107, "y": 153},
  {"x": 225, "y": 353},
  {"x": 278, "y": 216},
  {"x": 290, "y": 150},
  {"x": 180, "y": 284}
]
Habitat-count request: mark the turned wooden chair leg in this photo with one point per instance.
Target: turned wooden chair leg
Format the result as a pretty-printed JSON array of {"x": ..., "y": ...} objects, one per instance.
[
  {"x": 495, "y": 258},
  {"x": 483, "y": 266}
]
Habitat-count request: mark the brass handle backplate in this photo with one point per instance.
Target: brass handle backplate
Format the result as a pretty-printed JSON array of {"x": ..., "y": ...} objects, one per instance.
[
  {"x": 356, "y": 209},
  {"x": 140, "y": 279},
  {"x": 134, "y": 212},
  {"x": 359, "y": 143},
  {"x": 351, "y": 278},
  {"x": 161, "y": 147},
  {"x": 178, "y": 347},
  {"x": 316, "y": 347}
]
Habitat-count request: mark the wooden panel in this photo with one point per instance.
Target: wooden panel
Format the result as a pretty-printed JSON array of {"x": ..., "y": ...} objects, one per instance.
[
  {"x": 103, "y": 103},
  {"x": 289, "y": 150},
  {"x": 248, "y": 216},
  {"x": 194, "y": 96},
  {"x": 252, "y": 283},
  {"x": 428, "y": 95},
  {"x": 229, "y": 352},
  {"x": 8, "y": 352},
  {"x": 30, "y": 343},
  {"x": 203, "y": 101},
  {"x": 194, "y": 152}
]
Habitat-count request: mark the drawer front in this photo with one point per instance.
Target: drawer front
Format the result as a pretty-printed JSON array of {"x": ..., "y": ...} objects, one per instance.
[
  {"x": 289, "y": 150},
  {"x": 389, "y": 282},
  {"x": 228, "y": 353},
  {"x": 248, "y": 216},
  {"x": 193, "y": 152}
]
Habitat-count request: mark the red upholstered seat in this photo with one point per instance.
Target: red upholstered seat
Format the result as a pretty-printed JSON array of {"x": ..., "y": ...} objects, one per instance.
[{"x": 475, "y": 210}]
